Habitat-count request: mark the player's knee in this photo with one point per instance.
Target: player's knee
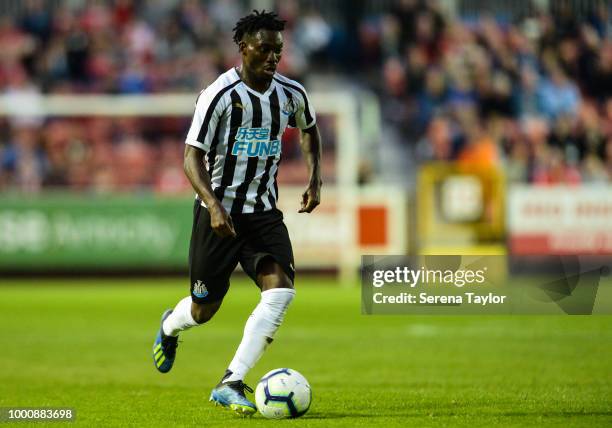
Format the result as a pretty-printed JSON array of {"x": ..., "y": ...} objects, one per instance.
[
  {"x": 275, "y": 281},
  {"x": 201, "y": 315},
  {"x": 204, "y": 312},
  {"x": 271, "y": 275}
]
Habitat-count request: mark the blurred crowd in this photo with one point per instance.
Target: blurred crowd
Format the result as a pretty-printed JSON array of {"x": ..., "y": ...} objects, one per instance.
[
  {"x": 96, "y": 155},
  {"x": 532, "y": 94},
  {"x": 121, "y": 47}
]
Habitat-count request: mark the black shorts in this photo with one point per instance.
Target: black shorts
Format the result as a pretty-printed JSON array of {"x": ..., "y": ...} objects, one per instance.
[{"x": 212, "y": 259}]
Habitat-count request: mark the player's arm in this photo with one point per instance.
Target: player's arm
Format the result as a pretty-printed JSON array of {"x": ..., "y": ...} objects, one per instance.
[
  {"x": 193, "y": 164},
  {"x": 310, "y": 143}
]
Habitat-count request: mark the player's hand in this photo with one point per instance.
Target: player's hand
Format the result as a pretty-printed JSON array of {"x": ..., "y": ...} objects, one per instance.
[
  {"x": 221, "y": 222},
  {"x": 311, "y": 198}
]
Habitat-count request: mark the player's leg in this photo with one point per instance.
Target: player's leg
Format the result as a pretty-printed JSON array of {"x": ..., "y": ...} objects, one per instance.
[
  {"x": 271, "y": 275},
  {"x": 189, "y": 312},
  {"x": 276, "y": 294},
  {"x": 267, "y": 258},
  {"x": 211, "y": 262},
  {"x": 173, "y": 322},
  {"x": 186, "y": 314}
]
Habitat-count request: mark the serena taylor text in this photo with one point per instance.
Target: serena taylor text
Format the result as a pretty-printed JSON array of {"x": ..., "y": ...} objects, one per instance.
[{"x": 429, "y": 299}]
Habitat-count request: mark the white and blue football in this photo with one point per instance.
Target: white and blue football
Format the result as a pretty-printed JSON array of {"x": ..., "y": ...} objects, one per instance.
[{"x": 283, "y": 393}]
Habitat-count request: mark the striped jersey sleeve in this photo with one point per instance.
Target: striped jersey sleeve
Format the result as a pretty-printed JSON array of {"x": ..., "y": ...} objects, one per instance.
[
  {"x": 304, "y": 116},
  {"x": 209, "y": 109},
  {"x": 205, "y": 120}
]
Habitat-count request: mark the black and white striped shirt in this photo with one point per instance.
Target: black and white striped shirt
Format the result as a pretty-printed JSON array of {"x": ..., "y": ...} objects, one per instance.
[{"x": 240, "y": 129}]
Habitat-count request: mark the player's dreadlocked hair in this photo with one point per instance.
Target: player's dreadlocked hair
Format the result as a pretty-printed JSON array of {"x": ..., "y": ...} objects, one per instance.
[{"x": 257, "y": 21}]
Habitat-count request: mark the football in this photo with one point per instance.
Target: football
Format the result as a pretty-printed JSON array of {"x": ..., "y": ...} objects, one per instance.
[{"x": 283, "y": 393}]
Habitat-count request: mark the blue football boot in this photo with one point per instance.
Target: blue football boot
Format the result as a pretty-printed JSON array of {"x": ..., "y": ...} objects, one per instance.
[
  {"x": 164, "y": 348},
  {"x": 231, "y": 395}
]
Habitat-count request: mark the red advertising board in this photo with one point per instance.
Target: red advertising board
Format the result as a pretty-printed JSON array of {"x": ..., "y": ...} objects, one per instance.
[{"x": 560, "y": 220}]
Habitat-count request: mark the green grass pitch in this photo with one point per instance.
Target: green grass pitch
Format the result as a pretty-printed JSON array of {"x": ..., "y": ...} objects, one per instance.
[{"x": 87, "y": 345}]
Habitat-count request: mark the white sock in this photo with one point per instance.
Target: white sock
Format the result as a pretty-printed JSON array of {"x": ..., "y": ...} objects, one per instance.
[
  {"x": 259, "y": 330},
  {"x": 180, "y": 319}
]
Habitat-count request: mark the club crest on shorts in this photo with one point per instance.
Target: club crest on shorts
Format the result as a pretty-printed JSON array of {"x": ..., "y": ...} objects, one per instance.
[{"x": 199, "y": 289}]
